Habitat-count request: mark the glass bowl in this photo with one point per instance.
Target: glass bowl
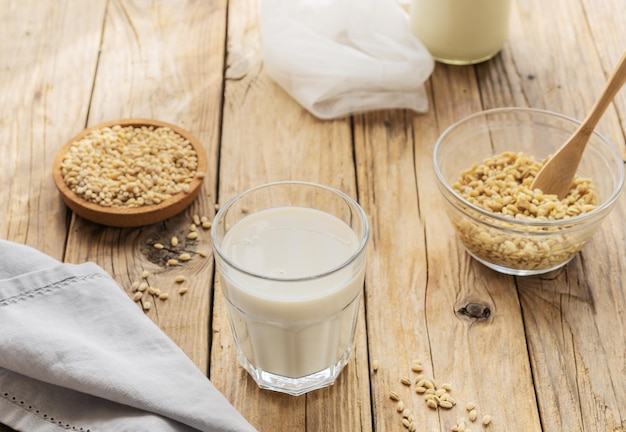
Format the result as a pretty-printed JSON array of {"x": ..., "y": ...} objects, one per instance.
[{"x": 505, "y": 243}]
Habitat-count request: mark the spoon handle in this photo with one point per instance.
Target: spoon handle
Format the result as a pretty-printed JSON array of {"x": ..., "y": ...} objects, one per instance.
[
  {"x": 557, "y": 174},
  {"x": 616, "y": 81}
]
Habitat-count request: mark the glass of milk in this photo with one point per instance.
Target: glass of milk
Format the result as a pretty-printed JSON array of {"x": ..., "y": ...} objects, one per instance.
[
  {"x": 461, "y": 31},
  {"x": 291, "y": 260}
]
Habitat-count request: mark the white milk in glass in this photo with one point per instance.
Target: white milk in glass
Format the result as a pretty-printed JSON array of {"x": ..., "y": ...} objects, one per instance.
[
  {"x": 461, "y": 31},
  {"x": 293, "y": 328}
]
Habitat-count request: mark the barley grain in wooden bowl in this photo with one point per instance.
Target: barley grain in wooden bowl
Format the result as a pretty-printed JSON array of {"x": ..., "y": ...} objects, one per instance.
[{"x": 131, "y": 172}]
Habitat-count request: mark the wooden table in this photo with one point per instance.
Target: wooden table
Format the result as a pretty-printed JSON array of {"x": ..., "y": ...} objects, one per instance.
[{"x": 550, "y": 356}]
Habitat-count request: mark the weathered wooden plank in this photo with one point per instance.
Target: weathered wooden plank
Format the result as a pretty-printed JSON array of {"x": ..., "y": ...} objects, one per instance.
[
  {"x": 259, "y": 146},
  {"x": 162, "y": 60},
  {"x": 397, "y": 272},
  {"x": 465, "y": 347},
  {"x": 429, "y": 277},
  {"x": 608, "y": 32},
  {"x": 560, "y": 61},
  {"x": 555, "y": 63},
  {"x": 46, "y": 79}
]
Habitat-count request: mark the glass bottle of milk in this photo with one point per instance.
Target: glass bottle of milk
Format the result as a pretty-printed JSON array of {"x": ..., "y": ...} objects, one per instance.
[{"x": 461, "y": 31}]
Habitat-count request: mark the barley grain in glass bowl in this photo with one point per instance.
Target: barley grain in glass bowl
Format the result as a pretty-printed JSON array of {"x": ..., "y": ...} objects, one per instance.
[{"x": 484, "y": 166}]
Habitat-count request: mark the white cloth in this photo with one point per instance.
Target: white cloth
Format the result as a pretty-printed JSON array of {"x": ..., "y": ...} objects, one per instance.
[
  {"x": 338, "y": 57},
  {"x": 77, "y": 354}
]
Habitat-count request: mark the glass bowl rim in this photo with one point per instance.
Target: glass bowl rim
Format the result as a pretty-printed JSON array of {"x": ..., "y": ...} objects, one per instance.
[{"x": 360, "y": 249}]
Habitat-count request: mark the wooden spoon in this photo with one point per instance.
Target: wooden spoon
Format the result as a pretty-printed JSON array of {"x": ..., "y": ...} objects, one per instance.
[{"x": 558, "y": 172}]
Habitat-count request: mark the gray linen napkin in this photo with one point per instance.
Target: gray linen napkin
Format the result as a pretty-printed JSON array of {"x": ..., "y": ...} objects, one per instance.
[{"x": 77, "y": 354}]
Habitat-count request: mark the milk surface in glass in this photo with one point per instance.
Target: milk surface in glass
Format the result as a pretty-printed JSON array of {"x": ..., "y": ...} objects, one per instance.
[
  {"x": 290, "y": 322},
  {"x": 461, "y": 31}
]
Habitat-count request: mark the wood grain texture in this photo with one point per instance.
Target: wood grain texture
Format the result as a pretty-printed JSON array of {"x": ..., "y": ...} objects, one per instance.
[
  {"x": 47, "y": 66},
  {"x": 574, "y": 347},
  {"x": 473, "y": 314},
  {"x": 259, "y": 146},
  {"x": 162, "y": 61},
  {"x": 536, "y": 353}
]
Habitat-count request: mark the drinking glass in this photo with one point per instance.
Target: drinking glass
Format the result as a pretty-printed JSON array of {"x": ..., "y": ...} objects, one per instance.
[{"x": 291, "y": 261}]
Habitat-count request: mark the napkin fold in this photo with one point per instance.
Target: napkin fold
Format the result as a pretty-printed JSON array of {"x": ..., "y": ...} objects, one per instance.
[{"x": 77, "y": 354}]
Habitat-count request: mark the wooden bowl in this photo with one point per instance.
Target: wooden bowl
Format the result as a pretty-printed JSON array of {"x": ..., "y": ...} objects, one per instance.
[{"x": 127, "y": 216}]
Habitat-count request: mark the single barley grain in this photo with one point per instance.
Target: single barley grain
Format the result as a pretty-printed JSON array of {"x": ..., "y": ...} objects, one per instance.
[
  {"x": 137, "y": 296},
  {"x": 446, "y": 404},
  {"x": 473, "y": 415},
  {"x": 174, "y": 241},
  {"x": 184, "y": 257},
  {"x": 158, "y": 246},
  {"x": 172, "y": 262},
  {"x": 375, "y": 365},
  {"x": 394, "y": 396},
  {"x": 145, "y": 274},
  {"x": 179, "y": 279},
  {"x": 164, "y": 296},
  {"x": 192, "y": 235},
  {"x": 417, "y": 367},
  {"x": 400, "y": 406},
  {"x": 405, "y": 380},
  {"x": 450, "y": 399},
  {"x": 147, "y": 306},
  {"x": 486, "y": 420},
  {"x": 183, "y": 290}
]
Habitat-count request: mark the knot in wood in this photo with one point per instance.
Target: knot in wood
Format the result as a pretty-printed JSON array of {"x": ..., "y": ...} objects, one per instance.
[{"x": 475, "y": 311}]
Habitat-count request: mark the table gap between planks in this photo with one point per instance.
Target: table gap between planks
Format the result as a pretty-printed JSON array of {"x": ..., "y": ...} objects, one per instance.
[{"x": 550, "y": 356}]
